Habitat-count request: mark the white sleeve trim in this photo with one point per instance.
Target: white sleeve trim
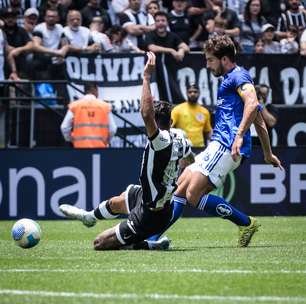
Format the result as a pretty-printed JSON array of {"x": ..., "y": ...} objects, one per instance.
[{"x": 118, "y": 235}]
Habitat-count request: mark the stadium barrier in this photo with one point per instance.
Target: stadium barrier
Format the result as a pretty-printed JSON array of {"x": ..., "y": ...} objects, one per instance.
[
  {"x": 34, "y": 182},
  {"x": 119, "y": 77}
]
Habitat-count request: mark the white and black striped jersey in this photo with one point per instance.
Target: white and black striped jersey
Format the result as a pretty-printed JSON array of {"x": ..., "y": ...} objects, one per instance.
[
  {"x": 288, "y": 18},
  {"x": 160, "y": 166}
]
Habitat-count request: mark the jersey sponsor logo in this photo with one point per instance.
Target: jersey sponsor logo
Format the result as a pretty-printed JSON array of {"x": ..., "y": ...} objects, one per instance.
[
  {"x": 224, "y": 210},
  {"x": 220, "y": 101}
]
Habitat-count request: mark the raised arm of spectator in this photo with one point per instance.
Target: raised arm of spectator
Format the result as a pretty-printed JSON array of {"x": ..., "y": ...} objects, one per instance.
[{"x": 146, "y": 106}]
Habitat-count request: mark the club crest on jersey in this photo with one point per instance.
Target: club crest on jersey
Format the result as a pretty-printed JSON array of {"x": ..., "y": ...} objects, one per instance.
[
  {"x": 200, "y": 117},
  {"x": 224, "y": 210}
]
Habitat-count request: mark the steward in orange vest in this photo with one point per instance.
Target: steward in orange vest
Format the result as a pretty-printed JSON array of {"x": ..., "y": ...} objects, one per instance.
[{"x": 90, "y": 123}]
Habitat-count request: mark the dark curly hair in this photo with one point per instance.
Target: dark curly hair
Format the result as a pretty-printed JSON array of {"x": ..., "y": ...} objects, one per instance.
[
  {"x": 221, "y": 46},
  {"x": 163, "y": 114}
]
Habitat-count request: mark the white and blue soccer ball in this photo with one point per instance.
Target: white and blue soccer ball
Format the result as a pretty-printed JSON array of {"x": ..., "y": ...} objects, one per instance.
[{"x": 26, "y": 233}]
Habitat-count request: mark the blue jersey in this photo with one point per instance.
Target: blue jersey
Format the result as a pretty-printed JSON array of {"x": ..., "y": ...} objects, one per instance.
[{"x": 230, "y": 110}]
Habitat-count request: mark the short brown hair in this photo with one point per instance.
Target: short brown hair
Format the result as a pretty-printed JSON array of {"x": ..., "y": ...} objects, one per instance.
[{"x": 221, "y": 46}]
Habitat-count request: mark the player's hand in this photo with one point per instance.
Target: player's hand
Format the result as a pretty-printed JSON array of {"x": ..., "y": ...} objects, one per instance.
[
  {"x": 150, "y": 65},
  {"x": 236, "y": 147},
  {"x": 274, "y": 161}
]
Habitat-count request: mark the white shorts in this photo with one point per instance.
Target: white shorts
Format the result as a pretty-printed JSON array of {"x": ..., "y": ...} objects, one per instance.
[{"x": 215, "y": 162}]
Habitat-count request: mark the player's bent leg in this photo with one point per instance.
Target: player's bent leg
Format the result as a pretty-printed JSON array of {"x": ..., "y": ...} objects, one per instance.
[
  {"x": 107, "y": 240},
  {"x": 178, "y": 204},
  {"x": 183, "y": 183},
  {"x": 111, "y": 208},
  {"x": 199, "y": 184},
  {"x": 117, "y": 204}
]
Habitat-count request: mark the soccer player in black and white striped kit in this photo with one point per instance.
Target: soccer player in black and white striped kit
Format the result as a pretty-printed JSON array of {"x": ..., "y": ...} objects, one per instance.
[{"x": 148, "y": 206}]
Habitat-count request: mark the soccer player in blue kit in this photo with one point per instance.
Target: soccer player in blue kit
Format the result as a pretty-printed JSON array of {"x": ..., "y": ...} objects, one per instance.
[{"x": 237, "y": 108}]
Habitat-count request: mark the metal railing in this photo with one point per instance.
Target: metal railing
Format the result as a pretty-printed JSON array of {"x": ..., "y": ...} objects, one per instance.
[{"x": 25, "y": 99}]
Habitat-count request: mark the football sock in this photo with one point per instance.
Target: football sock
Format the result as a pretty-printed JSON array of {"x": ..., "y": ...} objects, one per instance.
[
  {"x": 103, "y": 211},
  {"x": 178, "y": 204},
  {"x": 217, "y": 206}
]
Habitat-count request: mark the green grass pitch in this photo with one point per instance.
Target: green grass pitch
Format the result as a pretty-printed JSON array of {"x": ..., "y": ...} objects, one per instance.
[{"x": 203, "y": 266}]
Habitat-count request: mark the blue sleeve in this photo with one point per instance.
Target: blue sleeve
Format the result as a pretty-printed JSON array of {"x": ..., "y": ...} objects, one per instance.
[{"x": 241, "y": 77}]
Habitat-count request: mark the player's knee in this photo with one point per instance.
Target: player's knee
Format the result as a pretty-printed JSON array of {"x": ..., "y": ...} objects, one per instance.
[{"x": 193, "y": 196}]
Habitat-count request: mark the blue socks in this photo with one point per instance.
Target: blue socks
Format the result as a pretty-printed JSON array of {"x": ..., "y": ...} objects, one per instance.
[
  {"x": 178, "y": 204},
  {"x": 213, "y": 205},
  {"x": 217, "y": 206}
]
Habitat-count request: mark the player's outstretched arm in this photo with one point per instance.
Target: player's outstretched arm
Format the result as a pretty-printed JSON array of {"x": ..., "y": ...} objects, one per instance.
[
  {"x": 263, "y": 135},
  {"x": 146, "y": 106}
]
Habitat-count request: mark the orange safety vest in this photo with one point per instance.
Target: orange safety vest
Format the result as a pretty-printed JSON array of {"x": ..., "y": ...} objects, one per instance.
[{"x": 90, "y": 123}]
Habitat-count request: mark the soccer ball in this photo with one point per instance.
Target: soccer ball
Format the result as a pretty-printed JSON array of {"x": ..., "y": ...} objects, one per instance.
[{"x": 26, "y": 233}]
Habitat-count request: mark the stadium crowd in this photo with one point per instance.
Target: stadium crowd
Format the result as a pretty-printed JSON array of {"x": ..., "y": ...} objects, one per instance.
[{"x": 50, "y": 29}]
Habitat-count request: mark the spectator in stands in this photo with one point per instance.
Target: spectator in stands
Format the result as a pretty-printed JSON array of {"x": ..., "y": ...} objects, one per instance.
[
  {"x": 193, "y": 118},
  {"x": 303, "y": 44},
  {"x": 18, "y": 40},
  {"x": 292, "y": 16},
  {"x": 30, "y": 20},
  {"x": 270, "y": 46},
  {"x": 163, "y": 41},
  {"x": 272, "y": 10},
  {"x": 179, "y": 21},
  {"x": 238, "y": 6},
  {"x": 96, "y": 29},
  {"x": 215, "y": 26},
  {"x": 15, "y": 5},
  {"x": 136, "y": 23},
  {"x": 269, "y": 112},
  {"x": 120, "y": 42},
  {"x": 290, "y": 45},
  {"x": 195, "y": 10},
  {"x": 48, "y": 36},
  {"x": 89, "y": 122},
  {"x": 232, "y": 21},
  {"x": 152, "y": 7},
  {"x": 259, "y": 46},
  {"x": 78, "y": 37},
  {"x": 93, "y": 9},
  {"x": 47, "y": 39},
  {"x": 251, "y": 26},
  {"x": 61, "y": 9}
]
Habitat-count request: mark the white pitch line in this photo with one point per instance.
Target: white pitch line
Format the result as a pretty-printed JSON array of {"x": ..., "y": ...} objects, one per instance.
[
  {"x": 192, "y": 270},
  {"x": 153, "y": 296}
]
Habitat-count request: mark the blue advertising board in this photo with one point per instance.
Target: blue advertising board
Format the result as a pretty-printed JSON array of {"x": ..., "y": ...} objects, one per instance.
[{"x": 34, "y": 182}]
